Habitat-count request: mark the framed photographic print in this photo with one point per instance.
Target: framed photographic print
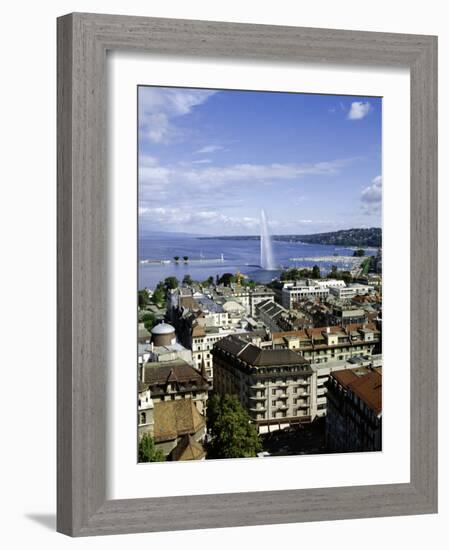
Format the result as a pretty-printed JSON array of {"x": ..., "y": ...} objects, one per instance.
[{"x": 247, "y": 234}]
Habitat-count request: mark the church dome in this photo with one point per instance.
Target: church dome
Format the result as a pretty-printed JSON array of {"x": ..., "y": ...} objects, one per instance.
[{"x": 162, "y": 328}]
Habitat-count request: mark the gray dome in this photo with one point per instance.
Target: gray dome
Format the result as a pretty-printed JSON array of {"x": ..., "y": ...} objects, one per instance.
[{"x": 162, "y": 328}]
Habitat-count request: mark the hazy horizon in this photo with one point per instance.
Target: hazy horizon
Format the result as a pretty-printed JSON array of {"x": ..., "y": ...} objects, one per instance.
[{"x": 186, "y": 233}]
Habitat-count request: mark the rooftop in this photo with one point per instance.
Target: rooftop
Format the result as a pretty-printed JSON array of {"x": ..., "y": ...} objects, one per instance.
[
  {"x": 173, "y": 371},
  {"x": 259, "y": 357},
  {"x": 188, "y": 449},
  {"x": 364, "y": 382},
  {"x": 162, "y": 328},
  {"x": 173, "y": 419}
]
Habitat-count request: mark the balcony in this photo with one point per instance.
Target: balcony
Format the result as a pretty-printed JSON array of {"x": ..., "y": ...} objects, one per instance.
[
  {"x": 257, "y": 386},
  {"x": 282, "y": 396},
  {"x": 257, "y": 409},
  {"x": 257, "y": 397},
  {"x": 282, "y": 407}
]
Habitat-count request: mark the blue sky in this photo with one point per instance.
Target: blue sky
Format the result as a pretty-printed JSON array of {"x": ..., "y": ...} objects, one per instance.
[{"x": 209, "y": 161}]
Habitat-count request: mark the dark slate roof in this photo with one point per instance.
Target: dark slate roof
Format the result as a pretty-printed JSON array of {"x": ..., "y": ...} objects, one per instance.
[
  {"x": 259, "y": 357},
  {"x": 271, "y": 308},
  {"x": 231, "y": 344}
]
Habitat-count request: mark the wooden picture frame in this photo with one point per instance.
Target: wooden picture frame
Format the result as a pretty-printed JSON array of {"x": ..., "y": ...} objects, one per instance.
[{"x": 83, "y": 40}]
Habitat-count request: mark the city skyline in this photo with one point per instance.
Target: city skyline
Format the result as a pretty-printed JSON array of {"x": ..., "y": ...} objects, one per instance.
[{"x": 210, "y": 160}]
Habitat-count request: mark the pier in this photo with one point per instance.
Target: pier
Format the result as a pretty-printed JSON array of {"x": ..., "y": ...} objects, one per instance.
[{"x": 157, "y": 261}]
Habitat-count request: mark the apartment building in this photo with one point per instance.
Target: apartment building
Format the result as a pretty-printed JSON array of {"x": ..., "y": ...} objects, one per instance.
[
  {"x": 274, "y": 385},
  {"x": 248, "y": 297},
  {"x": 325, "y": 344},
  {"x": 294, "y": 292},
  {"x": 352, "y": 290},
  {"x": 354, "y": 410},
  {"x": 202, "y": 343},
  {"x": 276, "y": 318},
  {"x": 347, "y": 315},
  {"x": 324, "y": 370}
]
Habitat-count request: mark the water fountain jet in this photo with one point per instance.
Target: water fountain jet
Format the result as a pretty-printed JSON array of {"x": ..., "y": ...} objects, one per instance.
[{"x": 266, "y": 249}]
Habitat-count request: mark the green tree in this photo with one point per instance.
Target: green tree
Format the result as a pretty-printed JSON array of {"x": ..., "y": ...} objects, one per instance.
[
  {"x": 148, "y": 320},
  {"x": 187, "y": 280},
  {"x": 148, "y": 451},
  {"x": 185, "y": 258},
  {"x": 365, "y": 266},
  {"x": 171, "y": 283},
  {"x": 249, "y": 283},
  {"x": 359, "y": 253},
  {"x": 226, "y": 279},
  {"x": 143, "y": 298},
  {"x": 176, "y": 258},
  {"x": 232, "y": 434},
  {"x": 346, "y": 277},
  {"x": 316, "y": 272},
  {"x": 158, "y": 297}
]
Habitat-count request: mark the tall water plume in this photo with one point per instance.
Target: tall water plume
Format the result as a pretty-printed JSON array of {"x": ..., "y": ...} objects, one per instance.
[{"x": 266, "y": 249}]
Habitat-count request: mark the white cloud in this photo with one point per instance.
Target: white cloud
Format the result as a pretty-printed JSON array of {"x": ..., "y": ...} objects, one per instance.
[
  {"x": 181, "y": 196},
  {"x": 158, "y": 129},
  {"x": 171, "y": 101},
  {"x": 371, "y": 196},
  {"x": 212, "y": 177},
  {"x": 157, "y": 181},
  {"x": 147, "y": 160},
  {"x": 201, "y": 161},
  {"x": 209, "y": 149},
  {"x": 359, "y": 109},
  {"x": 175, "y": 217},
  {"x": 158, "y": 106}
]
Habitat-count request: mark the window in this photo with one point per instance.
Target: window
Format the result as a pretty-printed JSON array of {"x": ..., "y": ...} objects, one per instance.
[
  {"x": 273, "y": 392},
  {"x": 143, "y": 418},
  {"x": 295, "y": 390},
  {"x": 273, "y": 403}
]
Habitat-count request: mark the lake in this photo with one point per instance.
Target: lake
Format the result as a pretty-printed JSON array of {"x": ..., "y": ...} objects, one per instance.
[{"x": 238, "y": 255}]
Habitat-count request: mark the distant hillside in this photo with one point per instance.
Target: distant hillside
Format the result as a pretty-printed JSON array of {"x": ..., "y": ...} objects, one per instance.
[
  {"x": 345, "y": 237},
  {"x": 371, "y": 237}
]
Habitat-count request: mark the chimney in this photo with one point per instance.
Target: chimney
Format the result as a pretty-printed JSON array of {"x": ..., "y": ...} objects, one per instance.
[{"x": 328, "y": 330}]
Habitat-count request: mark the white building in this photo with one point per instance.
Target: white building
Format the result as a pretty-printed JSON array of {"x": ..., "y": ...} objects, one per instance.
[
  {"x": 329, "y": 283},
  {"x": 302, "y": 290},
  {"x": 203, "y": 340},
  {"x": 352, "y": 290},
  {"x": 145, "y": 411}
]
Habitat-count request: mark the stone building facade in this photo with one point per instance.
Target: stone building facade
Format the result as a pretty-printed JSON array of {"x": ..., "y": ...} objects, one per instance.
[
  {"x": 354, "y": 410},
  {"x": 274, "y": 386}
]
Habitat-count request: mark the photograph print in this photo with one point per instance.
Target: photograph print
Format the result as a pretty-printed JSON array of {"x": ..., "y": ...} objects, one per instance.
[{"x": 259, "y": 305}]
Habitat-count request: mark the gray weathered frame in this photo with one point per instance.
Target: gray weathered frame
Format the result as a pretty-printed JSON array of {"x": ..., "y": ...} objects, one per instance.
[{"x": 83, "y": 40}]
